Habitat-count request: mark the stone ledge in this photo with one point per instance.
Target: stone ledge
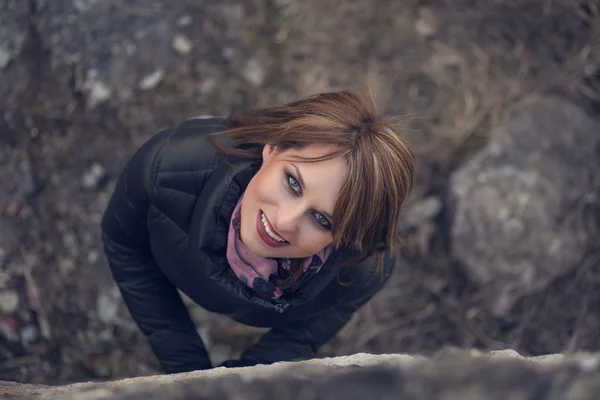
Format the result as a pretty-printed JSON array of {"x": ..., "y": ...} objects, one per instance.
[{"x": 467, "y": 374}]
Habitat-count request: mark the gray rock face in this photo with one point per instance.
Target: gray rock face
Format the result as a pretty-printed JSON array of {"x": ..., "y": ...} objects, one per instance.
[
  {"x": 14, "y": 32},
  {"x": 115, "y": 48},
  {"x": 522, "y": 201},
  {"x": 450, "y": 375}
]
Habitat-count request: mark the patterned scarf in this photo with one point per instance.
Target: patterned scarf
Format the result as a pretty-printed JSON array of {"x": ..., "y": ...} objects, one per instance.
[{"x": 261, "y": 273}]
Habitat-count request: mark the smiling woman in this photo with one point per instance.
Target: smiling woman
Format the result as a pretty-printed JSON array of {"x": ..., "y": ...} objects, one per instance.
[
  {"x": 292, "y": 204},
  {"x": 283, "y": 217}
]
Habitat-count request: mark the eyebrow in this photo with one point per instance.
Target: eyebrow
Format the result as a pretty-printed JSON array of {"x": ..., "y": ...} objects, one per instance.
[{"x": 301, "y": 180}]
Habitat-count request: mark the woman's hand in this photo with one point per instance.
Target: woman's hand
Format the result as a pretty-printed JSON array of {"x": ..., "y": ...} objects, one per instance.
[{"x": 237, "y": 363}]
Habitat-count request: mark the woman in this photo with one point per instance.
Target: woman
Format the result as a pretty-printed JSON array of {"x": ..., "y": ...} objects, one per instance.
[{"x": 283, "y": 217}]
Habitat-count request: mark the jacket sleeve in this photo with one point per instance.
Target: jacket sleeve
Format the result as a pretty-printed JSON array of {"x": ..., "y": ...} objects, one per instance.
[
  {"x": 150, "y": 297},
  {"x": 302, "y": 339}
]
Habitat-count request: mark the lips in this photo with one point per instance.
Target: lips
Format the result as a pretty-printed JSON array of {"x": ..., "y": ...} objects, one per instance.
[{"x": 262, "y": 233}]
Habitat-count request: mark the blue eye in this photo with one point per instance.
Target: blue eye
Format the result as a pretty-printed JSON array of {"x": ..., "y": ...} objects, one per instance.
[
  {"x": 293, "y": 183},
  {"x": 296, "y": 188},
  {"x": 322, "y": 220}
]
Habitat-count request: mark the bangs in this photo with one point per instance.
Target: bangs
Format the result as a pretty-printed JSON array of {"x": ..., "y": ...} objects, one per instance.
[{"x": 362, "y": 211}]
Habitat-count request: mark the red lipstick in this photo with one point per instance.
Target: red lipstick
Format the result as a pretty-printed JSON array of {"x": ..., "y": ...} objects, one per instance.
[{"x": 262, "y": 233}]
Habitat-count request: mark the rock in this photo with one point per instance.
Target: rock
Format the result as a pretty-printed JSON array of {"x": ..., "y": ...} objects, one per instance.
[
  {"x": 233, "y": 12},
  {"x": 97, "y": 93},
  {"x": 184, "y": 20},
  {"x": 254, "y": 72},
  {"x": 93, "y": 176},
  {"x": 108, "y": 306},
  {"x": 5, "y": 57},
  {"x": 2, "y": 259},
  {"x": 8, "y": 329},
  {"x": 66, "y": 265},
  {"x": 4, "y": 276},
  {"x": 21, "y": 187},
  {"x": 521, "y": 201},
  {"x": 9, "y": 301},
  {"x": 423, "y": 210},
  {"x": 12, "y": 208},
  {"x": 124, "y": 47},
  {"x": 71, "y": 243},
  {"x": 83, "y": 5},
  {"x": 229, "y": 52},
  {"x": 100, "y": 366},
  {"x": 465, "y": 375},
  {"x": 425, "y": 24},
  {"x": 93, "y": 257},
  {"x": 152, "y": 80},
  {"x": 29, "y": 334},
  {"x": 106, "y": 336},
  {"x": 207, "y": 85},
  {"x": 182, "y": 44},
  {"x": 10, "y": 50},
  {"x": 17, "y": 78},
  {"x": 13, "y": 30}
]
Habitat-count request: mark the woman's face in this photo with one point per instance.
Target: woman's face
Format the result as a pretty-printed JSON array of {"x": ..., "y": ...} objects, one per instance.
[{"x": 287, "y": 207}]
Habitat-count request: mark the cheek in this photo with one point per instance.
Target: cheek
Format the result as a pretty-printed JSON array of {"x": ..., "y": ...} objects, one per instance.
[
  {"x": 314, "y": 239},
  {"x": 267, "y": 187}
]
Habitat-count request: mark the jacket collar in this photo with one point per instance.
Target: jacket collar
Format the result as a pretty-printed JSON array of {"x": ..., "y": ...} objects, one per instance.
[{"x": 210, "y": 226}]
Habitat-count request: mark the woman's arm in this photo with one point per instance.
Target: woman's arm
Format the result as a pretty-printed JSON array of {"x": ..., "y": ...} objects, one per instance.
[
  {"x": 301, "y": 340},
  {"x": 296, "y": 341},
  {"x": 151, "y": 298}
]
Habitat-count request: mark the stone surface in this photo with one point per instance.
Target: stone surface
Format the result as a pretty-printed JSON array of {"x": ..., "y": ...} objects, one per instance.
[
  {"x": 522, "y": 201},
  {"x": 423, "y": 210},
  {"x": 455, "y": 374},
  {"x": 9, "y": 301},
  {"x": 182, "y": 44},
  {"x": 13, "y": 30},
  {"x": 70, "y": 97},
  {"x": 14, "y": 33},
  {"x": 123, "y": 48}
]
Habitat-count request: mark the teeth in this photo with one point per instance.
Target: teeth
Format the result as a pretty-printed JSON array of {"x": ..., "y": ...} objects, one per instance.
[{"x": 269, "y": 231}]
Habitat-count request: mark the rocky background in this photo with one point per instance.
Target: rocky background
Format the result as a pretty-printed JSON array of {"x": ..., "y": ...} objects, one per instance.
[{"x": 502, "y": 98}]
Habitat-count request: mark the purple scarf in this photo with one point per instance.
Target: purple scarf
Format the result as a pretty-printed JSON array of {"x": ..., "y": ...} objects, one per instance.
[{"x": 261, "y": 273}]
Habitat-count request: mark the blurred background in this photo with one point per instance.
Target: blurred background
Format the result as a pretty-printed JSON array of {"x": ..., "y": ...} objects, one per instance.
[{"x": 500, "y": 238}]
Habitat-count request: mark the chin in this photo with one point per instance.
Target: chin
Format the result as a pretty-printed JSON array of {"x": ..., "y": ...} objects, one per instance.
[
  {"x": 259, "y": 251},
  {"x": 250, "y": 240}
]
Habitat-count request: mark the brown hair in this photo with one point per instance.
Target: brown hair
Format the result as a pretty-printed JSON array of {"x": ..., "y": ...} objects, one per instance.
[{"x": 381, "y": 164}]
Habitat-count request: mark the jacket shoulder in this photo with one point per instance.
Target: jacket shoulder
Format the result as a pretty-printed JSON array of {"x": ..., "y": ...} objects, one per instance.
[
  {"x": 365, "y": 279},
  {"x": 182, "y": 167},
  {"x": 188, "y": 149}
]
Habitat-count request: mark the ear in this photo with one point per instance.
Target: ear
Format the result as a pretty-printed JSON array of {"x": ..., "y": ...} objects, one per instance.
[{"x": 268, "y": 152}]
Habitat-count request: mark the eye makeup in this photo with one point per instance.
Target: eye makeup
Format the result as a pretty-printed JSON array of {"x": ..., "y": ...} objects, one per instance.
[{"x": 295, "y": 187}]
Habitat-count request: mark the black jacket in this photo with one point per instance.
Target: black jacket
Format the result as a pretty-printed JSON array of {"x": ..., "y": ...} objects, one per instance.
[{"x": 165, "y": 228}]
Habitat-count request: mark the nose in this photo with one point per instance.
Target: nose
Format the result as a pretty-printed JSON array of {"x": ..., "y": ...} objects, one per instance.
[{"x": 287, "y": 219}]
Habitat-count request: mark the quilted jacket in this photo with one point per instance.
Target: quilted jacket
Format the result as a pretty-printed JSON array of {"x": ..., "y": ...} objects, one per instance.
[{"x": 165, "y": 228}]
